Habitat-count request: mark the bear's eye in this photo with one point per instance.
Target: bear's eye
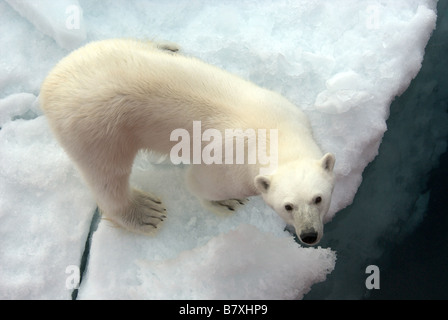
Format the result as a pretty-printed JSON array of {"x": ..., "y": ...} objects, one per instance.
[
  {"x": 318, "y": 200},
  {"x": 288, "y": 207}
]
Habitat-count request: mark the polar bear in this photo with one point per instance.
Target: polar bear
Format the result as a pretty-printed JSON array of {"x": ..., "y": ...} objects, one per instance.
[{"x": 109, "y": 99}]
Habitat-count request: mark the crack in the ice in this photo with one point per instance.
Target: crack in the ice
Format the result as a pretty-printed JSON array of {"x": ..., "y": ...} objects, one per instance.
[{"x": 85, "y": 255}]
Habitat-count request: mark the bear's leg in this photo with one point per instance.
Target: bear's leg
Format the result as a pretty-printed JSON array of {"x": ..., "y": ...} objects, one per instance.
[
  {"x": 204, "y": 182},
  {"x": 132, "y": 209},
  {"x": 108, "y": 177}
]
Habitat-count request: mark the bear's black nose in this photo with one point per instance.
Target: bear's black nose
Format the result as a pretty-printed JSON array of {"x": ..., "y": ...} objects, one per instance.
[{"x": 308, "y": 236}]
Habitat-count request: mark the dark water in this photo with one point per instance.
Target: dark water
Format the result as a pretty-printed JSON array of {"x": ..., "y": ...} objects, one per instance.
[
  {"x": 399, "y": 218},
  {"x": 418, "y": 267}
]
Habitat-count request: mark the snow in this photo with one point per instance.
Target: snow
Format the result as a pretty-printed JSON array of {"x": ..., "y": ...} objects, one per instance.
[
  {"x": 45, "y": 212},
  {"x": 342, "y": 62},
  {"x": 61, "y": 20},
  {"x": 244, "y": 263}
]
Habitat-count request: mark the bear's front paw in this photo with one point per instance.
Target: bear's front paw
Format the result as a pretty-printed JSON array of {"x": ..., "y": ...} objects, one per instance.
[
  {"x": 224, "y": 207},
  {"x": 145, "y": 213}
]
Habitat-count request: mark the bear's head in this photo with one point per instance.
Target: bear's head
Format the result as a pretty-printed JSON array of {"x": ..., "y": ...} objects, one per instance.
[{"x": 300, "y": 192}]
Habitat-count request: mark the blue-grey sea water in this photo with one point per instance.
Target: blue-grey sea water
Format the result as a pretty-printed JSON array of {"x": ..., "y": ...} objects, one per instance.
[{"x": 411, "y": 247}]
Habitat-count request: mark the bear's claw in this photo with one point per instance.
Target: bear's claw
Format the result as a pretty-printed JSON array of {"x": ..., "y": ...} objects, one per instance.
[
  {"x": 224, "y": 207},
  {"x": 145, "y": 213}
]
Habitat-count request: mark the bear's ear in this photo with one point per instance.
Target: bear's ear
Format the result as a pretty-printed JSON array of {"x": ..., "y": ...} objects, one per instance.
[
  {"x": 327, "y": 162},
  {"x": 262, "y": 183}
]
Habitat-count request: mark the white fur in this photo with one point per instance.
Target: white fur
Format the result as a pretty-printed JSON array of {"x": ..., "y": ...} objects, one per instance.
[{"x": 108, "y": 99}]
